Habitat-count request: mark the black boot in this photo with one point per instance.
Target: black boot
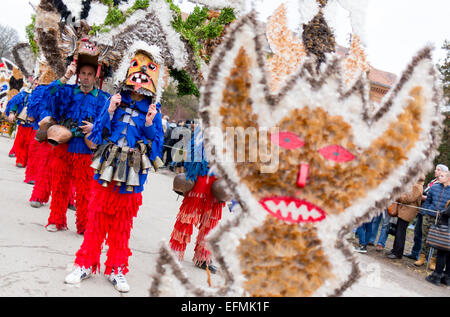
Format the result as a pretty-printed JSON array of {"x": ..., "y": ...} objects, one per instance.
[
  {"x": 211, "y": 267},
  {"x": 434, "y": 279},
  {"x": 445, "y": 280}
]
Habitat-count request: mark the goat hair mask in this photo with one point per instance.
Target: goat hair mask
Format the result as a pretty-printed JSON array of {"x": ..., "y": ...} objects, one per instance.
[{"x": 339, "y": 164}]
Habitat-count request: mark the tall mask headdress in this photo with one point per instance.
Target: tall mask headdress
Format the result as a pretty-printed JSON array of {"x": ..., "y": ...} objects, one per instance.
[
  {"x": 141, "y": 70},
  {"x": 325, "y": 163}
]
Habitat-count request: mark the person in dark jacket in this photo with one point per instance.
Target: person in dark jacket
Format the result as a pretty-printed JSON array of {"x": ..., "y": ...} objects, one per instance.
[
  {"x": 415, "y": 251},
  {"x": 437, "y": 197},
  {"x": 441, "y": 273}
]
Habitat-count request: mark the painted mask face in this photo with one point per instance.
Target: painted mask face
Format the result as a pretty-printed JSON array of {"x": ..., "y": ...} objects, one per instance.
[
  {"x": 87, "y": 47},
  {"x": 143, "y": 73}
]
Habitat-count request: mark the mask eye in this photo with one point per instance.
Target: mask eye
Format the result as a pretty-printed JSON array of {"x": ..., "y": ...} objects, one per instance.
[
  {"x": 336, "y": 153},
  {"x": 287, "y": 140},
  {"x": 152, "y": 66},
  {"x": 134, "y": 63}
]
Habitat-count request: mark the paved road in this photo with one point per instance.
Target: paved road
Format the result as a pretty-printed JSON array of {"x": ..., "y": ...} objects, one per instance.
[{"x": 34, "y": 262}]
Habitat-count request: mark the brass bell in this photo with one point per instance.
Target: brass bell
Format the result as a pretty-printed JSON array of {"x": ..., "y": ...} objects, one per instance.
[
  {"x": 145, "y": 161},
  {"x": 96, "y": 163},
  {"x": 132, "y": 179},
  {"x": 46, "y": 123},
  {"x": 220, "y": 190},
  {"x": 181, "y": 185},
  {"x": 120, "y": 174},
  {"x": 58, "y": 134},
  {"x": 110, "y": 158},
  {"x": 146, "y": 164},
  {"x": 107, "y": 175},
  {"x": 157, "y": 163},
  {"x": 23, "y": 114},
  {"x": 40, "y": 136}
]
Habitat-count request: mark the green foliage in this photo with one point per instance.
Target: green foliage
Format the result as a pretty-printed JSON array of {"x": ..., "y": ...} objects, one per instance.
[
  {"x": 30, "y": 35},
  {"x": 444, "y": 148},
  {"x": 185, "y": 84},
  {"x": 195, "y": 30},
  {"x": 139, "y": 4},
  {"x": 179, "y": 107},
  {"x": 116, "y": 16},
  {"x": 445, "y": 71}
]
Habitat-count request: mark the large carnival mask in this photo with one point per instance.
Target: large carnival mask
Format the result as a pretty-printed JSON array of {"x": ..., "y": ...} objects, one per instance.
[
  {"x": 336, "y": 164},
  {"x": 143, "y": 73}
]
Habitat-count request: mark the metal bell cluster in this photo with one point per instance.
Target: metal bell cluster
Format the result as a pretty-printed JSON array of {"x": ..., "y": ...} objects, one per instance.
[{"x": 112, "y": 163}]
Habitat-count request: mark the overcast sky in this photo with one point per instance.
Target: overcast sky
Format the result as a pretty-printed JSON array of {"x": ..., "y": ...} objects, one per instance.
[{"x": 395, "y": 29}]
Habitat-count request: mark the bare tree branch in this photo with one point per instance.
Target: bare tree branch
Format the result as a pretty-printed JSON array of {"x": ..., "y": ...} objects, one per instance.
[{"x": 8, "y": 38}]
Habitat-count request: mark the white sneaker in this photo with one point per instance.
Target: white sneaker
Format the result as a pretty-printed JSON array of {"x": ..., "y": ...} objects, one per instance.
[
  {"x": 77, "y": 275},
  {"x": 51, "y": 228},
  {"x": 36, "y": 204},
  {"x": 119, "y": 281}
]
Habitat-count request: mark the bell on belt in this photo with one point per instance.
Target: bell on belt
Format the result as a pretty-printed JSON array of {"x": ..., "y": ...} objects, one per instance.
[
  {"x": 146, "y": 164},
  {"x": 23, "y": 115},
  {"x": 96, "y": 163},
  {"x": 132, "y": 179},
  {"x": 107, "y": 175},
  {"x": 120, "y": 174},
  {"x": 158, "y": 163},
  {"x": 220, "y": 191},
  {"x": 181, "y": 185},
  {"x": 40, "y": 136},
  {"x": 46, "y": 123},
  {"x": 58, "y": 134},
  {"x": 145, "y": 161},
  {"x": 118, "y": 177}
]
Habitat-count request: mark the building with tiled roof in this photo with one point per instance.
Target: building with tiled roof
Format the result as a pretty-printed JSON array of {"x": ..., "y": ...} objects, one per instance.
[{"x": 380, "y": 81}]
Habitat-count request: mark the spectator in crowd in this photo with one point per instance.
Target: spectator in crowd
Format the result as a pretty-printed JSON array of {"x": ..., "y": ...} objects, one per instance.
[
  {"x": 364, "y": 232},
  {"x": 441, "y": 273},
  {"x": 167, "y": 150},
  {"x": 381, "y": 244},
  {"x": 165, "y": 122},
  {"x": 406, "y": 213},
  {"x": 179, "y": 144},
  {"x": 375, "y": 228},
  {"x": 415, "y": 251},
  {"x": 437, "y": 197}
]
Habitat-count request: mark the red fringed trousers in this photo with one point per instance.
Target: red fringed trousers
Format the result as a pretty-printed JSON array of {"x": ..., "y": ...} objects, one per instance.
[
  {"x": 70, "y": 169},
  {"x": 21, "y": 144},
  {"x": 42, "y": 187},
  {"x": 110, "y": 218},
  {"x": 201, "y": 209},
  {"x": 33, "y": 158}
]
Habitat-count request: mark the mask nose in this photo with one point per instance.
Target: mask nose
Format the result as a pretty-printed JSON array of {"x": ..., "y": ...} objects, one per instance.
[
  {"x": 144, "y": 69},
  {"x": 302, "y": 175}
]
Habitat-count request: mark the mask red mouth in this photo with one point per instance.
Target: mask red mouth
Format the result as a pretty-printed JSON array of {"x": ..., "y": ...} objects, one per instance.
[
  {"x": 139, "y": 78},
  {"x": 88, "y": 47},
  {"x": 293, "y": 210}
]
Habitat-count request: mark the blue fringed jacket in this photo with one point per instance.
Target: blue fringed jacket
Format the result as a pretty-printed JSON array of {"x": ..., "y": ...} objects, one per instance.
[
  {"x": 17, "y": 103},
  {"x": 38, "y": 102},
  {"x": 437, "y": 197},
  {"x": 126, "y": 127},
  {"x": 68, "y": 102}
]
